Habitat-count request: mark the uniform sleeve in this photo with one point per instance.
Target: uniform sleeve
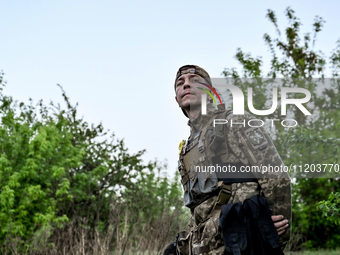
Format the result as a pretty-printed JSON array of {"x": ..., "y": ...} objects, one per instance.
[{"x": 253, "y": 146}]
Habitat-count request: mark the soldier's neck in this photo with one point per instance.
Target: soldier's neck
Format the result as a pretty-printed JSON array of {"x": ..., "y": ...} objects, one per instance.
[{"x": 193, "y": 113}]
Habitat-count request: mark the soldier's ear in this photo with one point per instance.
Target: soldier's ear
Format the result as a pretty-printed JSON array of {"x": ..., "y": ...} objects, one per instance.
[{"x": 176, "y": 99}]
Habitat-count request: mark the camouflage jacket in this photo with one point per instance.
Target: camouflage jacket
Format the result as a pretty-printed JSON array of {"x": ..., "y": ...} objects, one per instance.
[{"x": 243, "y": 144}]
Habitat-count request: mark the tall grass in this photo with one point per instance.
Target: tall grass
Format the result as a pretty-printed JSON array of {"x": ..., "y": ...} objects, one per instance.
[
  {"x": 126, "y": 232},
  {"x": 318, "y": 252}
]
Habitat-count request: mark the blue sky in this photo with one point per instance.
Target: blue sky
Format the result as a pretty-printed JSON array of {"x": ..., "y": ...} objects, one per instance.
[{"x": 118, "y": 59}]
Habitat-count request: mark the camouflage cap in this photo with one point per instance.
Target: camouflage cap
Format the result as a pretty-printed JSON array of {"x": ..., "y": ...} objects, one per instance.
[{"x": 194, "y": 70}]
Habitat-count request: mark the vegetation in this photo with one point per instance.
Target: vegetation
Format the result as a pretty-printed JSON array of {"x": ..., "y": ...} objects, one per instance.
[
  {"x": 69, "y": 188},
  {"x": 295, "y": 63},
  {"x": 319, "y": 252}
]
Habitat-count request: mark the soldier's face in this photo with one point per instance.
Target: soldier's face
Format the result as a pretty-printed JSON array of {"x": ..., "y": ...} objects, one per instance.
[{"x": 188, "y": 94}]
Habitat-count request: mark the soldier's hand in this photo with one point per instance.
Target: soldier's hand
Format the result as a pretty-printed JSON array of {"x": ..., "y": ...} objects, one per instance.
[{"x": 280, "y": 223}]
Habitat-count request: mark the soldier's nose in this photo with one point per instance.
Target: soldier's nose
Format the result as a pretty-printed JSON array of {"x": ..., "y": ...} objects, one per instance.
[{"x": 186, "y": 85}]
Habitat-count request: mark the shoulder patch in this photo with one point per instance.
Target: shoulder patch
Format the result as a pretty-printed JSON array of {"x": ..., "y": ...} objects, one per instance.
[{"x": 256, "y": 138}]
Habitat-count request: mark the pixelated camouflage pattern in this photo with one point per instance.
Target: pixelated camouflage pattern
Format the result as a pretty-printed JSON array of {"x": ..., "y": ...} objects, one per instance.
[
  {"x": 248, "y": 146},
  {"x": 275, "y": 187}
]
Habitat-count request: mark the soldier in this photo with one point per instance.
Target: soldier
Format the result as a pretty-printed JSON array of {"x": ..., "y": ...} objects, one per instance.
[{"x": 231, "y": 214}]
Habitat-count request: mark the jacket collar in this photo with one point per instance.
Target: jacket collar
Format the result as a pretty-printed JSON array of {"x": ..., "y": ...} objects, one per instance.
[{"x": 198, "y": 123}]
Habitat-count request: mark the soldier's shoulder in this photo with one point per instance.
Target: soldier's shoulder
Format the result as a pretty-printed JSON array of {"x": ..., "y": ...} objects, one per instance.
[{"x": 237, "y": 122}]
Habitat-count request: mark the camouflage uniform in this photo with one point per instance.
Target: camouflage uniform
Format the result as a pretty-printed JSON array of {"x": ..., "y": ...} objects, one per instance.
[{"x": 206, "y": 193}]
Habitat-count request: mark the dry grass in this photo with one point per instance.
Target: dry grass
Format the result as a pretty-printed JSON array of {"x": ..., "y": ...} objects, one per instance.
[
  {"x": 125, "y": 233},
  {"x": 318, "y": 252}
]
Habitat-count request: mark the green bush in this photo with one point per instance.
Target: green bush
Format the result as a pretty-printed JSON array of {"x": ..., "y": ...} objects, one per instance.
[{"x": 68, "y": 185}]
